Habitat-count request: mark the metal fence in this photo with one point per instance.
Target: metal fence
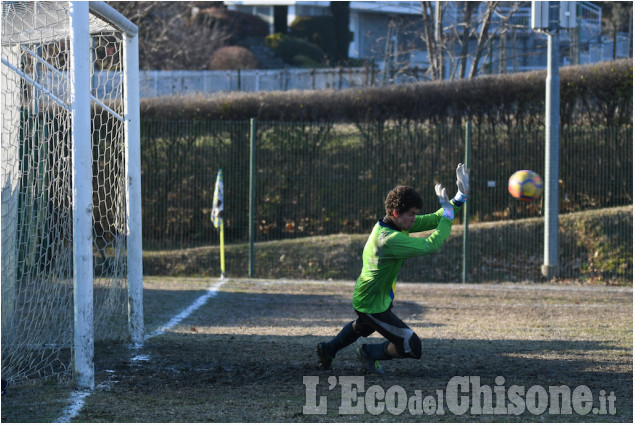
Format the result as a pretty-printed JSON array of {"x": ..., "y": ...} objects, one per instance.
[
  {"x": 327, "y": 178},
  {"x": 158, "y": 83},
  {"x": 181, "y": 82}
]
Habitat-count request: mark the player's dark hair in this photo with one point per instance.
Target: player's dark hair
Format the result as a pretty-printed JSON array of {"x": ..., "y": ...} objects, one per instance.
[{"x": 401, "y": 199}]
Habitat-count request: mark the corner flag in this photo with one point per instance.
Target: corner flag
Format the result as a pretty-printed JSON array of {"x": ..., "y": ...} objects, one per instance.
[
  {"x": 217, "y": 218},
  {"x": 217, "y": 204}
]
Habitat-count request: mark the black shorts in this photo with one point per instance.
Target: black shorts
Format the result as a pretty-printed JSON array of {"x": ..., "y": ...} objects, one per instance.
[{"x": 392, "y": 328}]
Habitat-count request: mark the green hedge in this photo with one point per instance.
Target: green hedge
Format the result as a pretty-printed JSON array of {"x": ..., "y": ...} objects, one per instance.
[{"x": 598, "y": 95}]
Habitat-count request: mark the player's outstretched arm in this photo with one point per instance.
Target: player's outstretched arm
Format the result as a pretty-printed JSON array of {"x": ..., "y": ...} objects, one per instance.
[
  {"x": 430, "y": 221},
  {"x": 403, "y": 246}
]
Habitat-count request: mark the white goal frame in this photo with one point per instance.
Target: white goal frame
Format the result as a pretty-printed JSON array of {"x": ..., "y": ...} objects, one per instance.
[{"x": 78, "y": 102}]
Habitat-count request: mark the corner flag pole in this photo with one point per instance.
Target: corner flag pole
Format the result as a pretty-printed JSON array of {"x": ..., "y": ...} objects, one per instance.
[
  {"x": 222, "y": 249},
  {"x": 217, "y": 218}
]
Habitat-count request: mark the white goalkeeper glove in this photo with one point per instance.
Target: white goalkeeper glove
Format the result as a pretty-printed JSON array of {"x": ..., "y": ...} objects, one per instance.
[
  {"x": 462, "y": 183},
  {"x": 448, "y": 208}
]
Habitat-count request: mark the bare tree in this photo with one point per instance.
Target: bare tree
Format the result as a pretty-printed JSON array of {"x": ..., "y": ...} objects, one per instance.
[
  {"x": 173, "y": 35},
  {"x": 432, "y": 37},
  {"x": 464, "y": 42},
  {"x": 469, "y": 8},
  {"x": 484, "y": 37}
]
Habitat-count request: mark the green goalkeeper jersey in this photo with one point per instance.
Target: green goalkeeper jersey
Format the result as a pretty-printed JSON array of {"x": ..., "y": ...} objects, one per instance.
[{"x": 384, "y": 253}]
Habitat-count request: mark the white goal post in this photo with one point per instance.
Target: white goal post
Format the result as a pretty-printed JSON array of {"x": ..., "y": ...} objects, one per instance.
[{"x": 71, "y": 183}]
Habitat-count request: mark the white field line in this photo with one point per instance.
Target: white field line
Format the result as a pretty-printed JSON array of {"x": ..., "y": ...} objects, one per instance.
[
  {"x": 77, "y": 398},
  {"x": 211, "y": 292}
]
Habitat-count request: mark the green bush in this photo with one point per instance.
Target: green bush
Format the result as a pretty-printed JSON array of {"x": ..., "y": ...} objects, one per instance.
[
  {"x": 295, "y": 51},
  {"x": 233, "y": 57},
  {"x": 318, "y": 30},
  {"x": 239, "y": 24}
]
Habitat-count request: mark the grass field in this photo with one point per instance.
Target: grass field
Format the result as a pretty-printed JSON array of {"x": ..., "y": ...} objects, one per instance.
[
  {"x": 596, "y": 247},
  {"x": 244, "y": 356}
]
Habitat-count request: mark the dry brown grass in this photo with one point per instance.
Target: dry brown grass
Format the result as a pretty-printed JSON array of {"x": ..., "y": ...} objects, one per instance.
[{"x": 243, "y": 355}]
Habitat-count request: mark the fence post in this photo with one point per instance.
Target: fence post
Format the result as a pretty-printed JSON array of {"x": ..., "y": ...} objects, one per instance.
[
  {"x": 371, "y": 80},
  {"x": 252, "y": 191},
  {"x": 466, "y": 216},
  {"x": 313, "y": 78}
]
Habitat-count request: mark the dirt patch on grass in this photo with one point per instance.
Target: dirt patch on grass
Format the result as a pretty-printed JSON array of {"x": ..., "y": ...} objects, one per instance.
[{"x": 242, "y": 357}]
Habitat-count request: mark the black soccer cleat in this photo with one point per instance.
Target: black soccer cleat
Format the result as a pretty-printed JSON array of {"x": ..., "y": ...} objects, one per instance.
[
  {"x": 325, "y": 359},
  {"x": 368, "y": 365}
]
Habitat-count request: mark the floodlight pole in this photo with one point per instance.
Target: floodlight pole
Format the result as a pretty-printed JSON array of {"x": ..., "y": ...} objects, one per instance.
[{"x": 552, "y": 144}]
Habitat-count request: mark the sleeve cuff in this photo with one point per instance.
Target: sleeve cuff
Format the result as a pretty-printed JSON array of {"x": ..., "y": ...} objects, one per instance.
[{"x": 459, "y": 199}]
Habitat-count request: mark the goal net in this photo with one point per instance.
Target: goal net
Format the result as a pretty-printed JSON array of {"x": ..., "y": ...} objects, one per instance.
[{"x": 71, "y": 243}]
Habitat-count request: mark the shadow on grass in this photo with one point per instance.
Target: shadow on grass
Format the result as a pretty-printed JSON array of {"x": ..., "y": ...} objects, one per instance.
[
  {"x": 259, "y": 378},
  {"x": 253, "y": 349},
  {"x": 242, "y": 357}
]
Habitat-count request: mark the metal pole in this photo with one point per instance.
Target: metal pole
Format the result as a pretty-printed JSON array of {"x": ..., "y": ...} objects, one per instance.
[
  {"x": 466, "y": 217},
  {"x": 222, "y": 248},
  {"x": 252, "y": 192},
  {"x": 552, "y": 146},
  {"x": 132, "y": 126},
  {"x": 83, "y": 334}
]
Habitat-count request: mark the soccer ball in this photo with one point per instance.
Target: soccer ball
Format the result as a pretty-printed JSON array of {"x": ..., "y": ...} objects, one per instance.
[{"x": 525, "y": 185}]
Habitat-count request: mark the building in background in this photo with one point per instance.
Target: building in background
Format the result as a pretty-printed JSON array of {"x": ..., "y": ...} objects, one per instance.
[
  {"x": 389, "y": 33},
  {"x": 387, "y": 41}
]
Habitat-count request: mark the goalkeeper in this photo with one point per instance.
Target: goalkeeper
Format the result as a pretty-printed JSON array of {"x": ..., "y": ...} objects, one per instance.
[{"x": 387, "y": 247}]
